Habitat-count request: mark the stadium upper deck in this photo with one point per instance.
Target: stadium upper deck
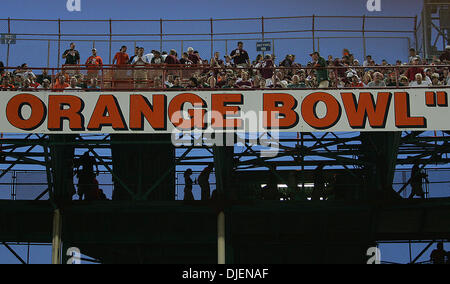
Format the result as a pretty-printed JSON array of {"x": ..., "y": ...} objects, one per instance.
[{"x": 156, "y": 70}]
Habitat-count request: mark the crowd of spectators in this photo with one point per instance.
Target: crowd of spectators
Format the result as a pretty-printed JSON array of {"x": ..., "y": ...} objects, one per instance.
[{"x": 235, "y": 70}]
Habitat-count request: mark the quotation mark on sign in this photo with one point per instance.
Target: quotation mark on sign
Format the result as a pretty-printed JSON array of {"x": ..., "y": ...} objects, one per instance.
[{"x": 436, "y": 99}]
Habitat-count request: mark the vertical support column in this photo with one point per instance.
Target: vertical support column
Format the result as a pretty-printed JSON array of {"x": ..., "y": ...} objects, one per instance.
[
  {"x": 56, "y": 240},
  {"x": 212, "y": 38},
  {"x": 416, "y": 43},
  {"x": 226, "y": 47},
  {"x": 314, "y": 32},
  {"x": 160, "y": 35},
  {"x": 48, "y": 55},
  {"x": 262, "y": 32},
  {"x": 110, "y": 39},
  {"x": 221, "y": 238},
  {"x": 182, "y": 48},
  {"x": 9, "y": 32},
  {"x": 364, "y": 36},
  {"x": 59, "y": 41}
]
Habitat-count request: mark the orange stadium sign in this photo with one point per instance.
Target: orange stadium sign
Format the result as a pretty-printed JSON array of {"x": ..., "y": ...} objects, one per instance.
[{"x": 283, "y": 110}]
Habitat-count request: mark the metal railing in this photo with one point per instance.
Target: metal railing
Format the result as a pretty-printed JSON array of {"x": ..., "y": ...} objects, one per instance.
[
  {"x": 213, "y": 32},
  {"x": 163, "y": 76}
]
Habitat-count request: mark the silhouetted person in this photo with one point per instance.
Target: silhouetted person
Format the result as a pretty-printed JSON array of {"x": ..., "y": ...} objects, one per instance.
[
  {"x": 270, "y": 192},
  {"x": 417, "y": 177},
  {"x": 438, "y": 255},
  {"x": 188, "y": 185},
  {"x": 203, "y": 181},
  {"x": 319, "y": 184},
  {"x": 214, "y": 195},
  {"x": 87, "y": 184}
]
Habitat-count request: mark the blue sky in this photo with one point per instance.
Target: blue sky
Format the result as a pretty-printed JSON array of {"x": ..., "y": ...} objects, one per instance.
[{"x": 35, "y": 53}]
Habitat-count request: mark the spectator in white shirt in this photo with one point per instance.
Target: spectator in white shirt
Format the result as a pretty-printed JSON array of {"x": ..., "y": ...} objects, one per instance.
[
  {"x": 418, "y": 82},
  {"x": 73, "y": 86},
  {"x": 377, "y": 80}
]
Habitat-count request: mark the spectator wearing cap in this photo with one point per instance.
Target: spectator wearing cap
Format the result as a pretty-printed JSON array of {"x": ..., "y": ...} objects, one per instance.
[
  {"x": 240, "y": 56},
  {"x": 445, "y": 57},
  {"x": 93, "y": 63},
  {"x": 412, "y": 71},
  {"x": 403, "y": 81},
  {"x": 435, "y": 80},
  {"x": 428, "y": 72},
  {"x": 355, "y": 82},
  {"x": 320, "y": 65},
  {"x": 172, "y": 59}
]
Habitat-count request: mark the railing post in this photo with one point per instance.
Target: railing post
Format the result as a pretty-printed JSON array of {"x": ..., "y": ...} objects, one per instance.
[
  {"x": 226, "y": 47},
  {"x": 415, "y": 34},
  {"x": 364, "y": 36},
  {"x": 262, "y": 32},
  {"x": 313, "y": 32},
  {"x": 221, "y": 238},
  {"x": 56, "y": 241},
  {"x": 110, "y": 39},
  {"x": 160, "y": 35},
  {"x": 9, "y": 32},
  {"x": 212, "y": 38},
  {"x": 48, "y": 54},
  {"x": 59, "y": 41}
]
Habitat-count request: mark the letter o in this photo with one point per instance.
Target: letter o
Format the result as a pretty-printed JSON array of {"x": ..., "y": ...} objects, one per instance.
[
  {"x": 14, "y": 112},
  {"x": 309, "y": 105}
]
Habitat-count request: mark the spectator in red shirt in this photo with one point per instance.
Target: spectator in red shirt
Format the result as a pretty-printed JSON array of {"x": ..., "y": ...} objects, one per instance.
[
  {"x": 412, "y": 71},
  {"x": 356, "y": 83},
  {"x": 192, "y": 56},
  {"x": 93, "y": 63},
  {"x": 5, "y": 84},
  {"x": 121, "y": 57},
  {"x": 172, "y": 59},
  {"x": 267, "y": 67}
]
